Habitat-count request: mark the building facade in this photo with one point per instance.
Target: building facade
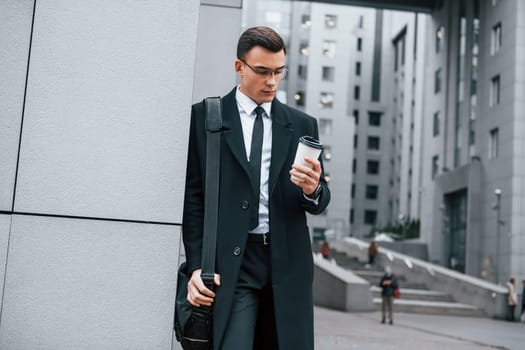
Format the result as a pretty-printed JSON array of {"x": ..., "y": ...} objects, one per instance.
[{"x": 473, "y": 154}]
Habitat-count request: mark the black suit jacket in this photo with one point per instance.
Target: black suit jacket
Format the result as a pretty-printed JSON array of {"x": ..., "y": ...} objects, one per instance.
[{"x": 292, "y": 265}]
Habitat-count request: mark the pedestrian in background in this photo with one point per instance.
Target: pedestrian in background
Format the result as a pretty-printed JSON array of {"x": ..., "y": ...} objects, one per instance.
[
  {"x": 372, "y": 252},
  {"x": 264, "y": 297},
  {"x": 512, "y": 299},
  {"x": 325, "y": 250},
  {"x": 522, "y": 318},
  {"x": 388, "y": 284}
]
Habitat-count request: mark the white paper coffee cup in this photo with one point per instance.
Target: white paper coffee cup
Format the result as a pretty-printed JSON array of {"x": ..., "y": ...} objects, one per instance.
[{"x": 307, "y": 147}]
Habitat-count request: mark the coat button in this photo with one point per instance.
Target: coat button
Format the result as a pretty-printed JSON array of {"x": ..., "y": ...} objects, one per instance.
[
  {"x": 245, "y": 204},
  {"x": 237, "y": 251}
]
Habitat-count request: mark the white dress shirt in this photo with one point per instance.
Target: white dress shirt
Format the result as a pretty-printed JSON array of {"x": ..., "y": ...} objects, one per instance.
[{"x": 246, "y": 108}]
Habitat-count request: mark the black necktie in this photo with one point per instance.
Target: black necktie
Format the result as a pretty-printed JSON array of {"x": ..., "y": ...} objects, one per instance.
[{"x": 255, "y": 164}]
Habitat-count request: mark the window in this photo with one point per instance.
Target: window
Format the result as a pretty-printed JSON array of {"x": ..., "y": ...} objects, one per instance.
[
  {"x": 494, "y": 144},
  {"x": 370, "y": 217},
  {"x": 359, "y": 44},
  {"x": 306, "y": 21},
  {"x": 355, "y": 113},
  {"x": 329, "y": 48},
  {"x": 361, "y": 21},
  {"x": 299, "y": 98},
  {"x": 374, "y": 118},
  {"x": 372, "y": 167},
  {"x": 330, "y": 21},
  {"x": 328, "y": 73},
  {"x": 302, "y": 71},
  {"x": 355, "y": 141},
  {"x": 304, "y": 48},
  {"x": 399, "y": 50},
  {"x": 327, "y": 153},
  {"x": 373, "y": 143},
  {"x": 494, "y": 97},
  {"x": 435, "y": 128},
  {"x": 353, "y": 191},
  {"x": 437, "y": 81},
  {"x": 435, "y": 166},
  {"x": 495, "y": 42},
  {"x": 354, "y": 166},
  {"x": 326, "y": 100},
  {"x": 357, "y": 92},
  {"x": 325, "y": 126},
  {"x": 358, "y": 68},
  {"x": 371, "y": 191},
  {"x": 440, "y": 36},
  {"x": 351, "y": 216}
]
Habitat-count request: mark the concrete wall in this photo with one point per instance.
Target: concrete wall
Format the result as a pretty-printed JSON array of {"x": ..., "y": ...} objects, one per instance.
[{"x": 94, "y": 105}]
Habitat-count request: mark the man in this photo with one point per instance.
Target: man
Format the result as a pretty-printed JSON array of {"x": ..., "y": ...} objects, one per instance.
[
  {"x": 388, "y": 285},
  {"x": 512, "y": 299},
  {"x": 263, "y": 295}
]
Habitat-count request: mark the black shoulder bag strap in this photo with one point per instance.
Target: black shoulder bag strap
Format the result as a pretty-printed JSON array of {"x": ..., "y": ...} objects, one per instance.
[{"x": 211, "y": 197}]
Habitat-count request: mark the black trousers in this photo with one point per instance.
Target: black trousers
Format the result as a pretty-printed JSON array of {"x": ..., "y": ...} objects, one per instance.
[{"x": 252, "y": 319}]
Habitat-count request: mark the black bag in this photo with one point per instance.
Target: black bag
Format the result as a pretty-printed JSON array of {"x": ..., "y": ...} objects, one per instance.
[{"x": 194, "y": 325}]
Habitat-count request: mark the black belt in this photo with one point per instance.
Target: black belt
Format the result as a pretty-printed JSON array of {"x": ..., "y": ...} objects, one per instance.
[{"x": 263, "y": 238}]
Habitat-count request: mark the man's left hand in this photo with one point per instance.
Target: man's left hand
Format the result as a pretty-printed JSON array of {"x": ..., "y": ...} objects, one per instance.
[{"x": 306, "y": 177}]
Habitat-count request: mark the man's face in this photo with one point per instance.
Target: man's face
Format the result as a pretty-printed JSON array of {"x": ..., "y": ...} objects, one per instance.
[{"x": 261, "y": 71}]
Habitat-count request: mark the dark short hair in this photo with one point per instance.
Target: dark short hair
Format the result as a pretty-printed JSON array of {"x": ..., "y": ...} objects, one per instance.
[{"x": 259, "y": 36}]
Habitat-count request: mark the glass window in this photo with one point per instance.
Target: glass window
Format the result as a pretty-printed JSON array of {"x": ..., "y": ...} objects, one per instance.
[
  {"x": 355, "y": 141},
  {"x": 494, "y": 143},
  {"x": 435, "y": 166},
  {"x": 361, "y": 21},
  {"x": 306, "y": 21},
  {"x": 351, "y": 216},
  {"x": 370, "y": 217},
  {"x": 302, "y": 71},
  {"x": 372, "y": 167},
  {"x": 353, "y": 191},
  {"x": 374, "y": 118},
  {"x": 330, "y": 21},
  {"x": 355, "y": 113},
  {"x": 299, "y": 98},
  {"x": 437, "y": 81},
  {"x": 359, "y": 44},
  {"x": 329, "y": 48},
  {"x": 435, "y": 129},
  {"x": 325, "y": 126},
  {"x": 373, "y": 143},
  {"x": 440, "y": 36},
  {"x": 354, "y": 166},
  {"x": 495, "y": 42},
  {"x": 371, "y": 191},
  {"x": 328, "y": 73},
  {"x": 358, "y": 68},
  {"x": 304, "y": 48},
  {"x": 357, "y": 92},
  {"x": 326, "y": 100},
  {"x": 327, "y": 153},
  {"x": 494, "y": 91}
]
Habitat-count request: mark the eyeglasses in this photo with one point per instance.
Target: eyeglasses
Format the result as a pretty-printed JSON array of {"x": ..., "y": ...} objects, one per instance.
[{"x": 267, "y": 72}]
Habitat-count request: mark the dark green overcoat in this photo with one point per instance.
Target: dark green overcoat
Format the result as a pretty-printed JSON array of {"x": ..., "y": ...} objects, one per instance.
[{"x": 291, "y": 255}]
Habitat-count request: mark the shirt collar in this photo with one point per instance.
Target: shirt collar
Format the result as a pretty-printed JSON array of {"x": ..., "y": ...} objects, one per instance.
[{"x": 248, "y": 105}]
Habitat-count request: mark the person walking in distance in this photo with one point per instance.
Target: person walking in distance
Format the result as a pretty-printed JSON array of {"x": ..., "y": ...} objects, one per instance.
[
  {"x": 512, "y": 299},
  {"x": 388, "y": 285},
  {"x": 263, "y": 296}
]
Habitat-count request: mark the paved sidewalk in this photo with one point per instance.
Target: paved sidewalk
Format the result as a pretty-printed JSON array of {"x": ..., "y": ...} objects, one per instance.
[{"x": 335, "y": 330}]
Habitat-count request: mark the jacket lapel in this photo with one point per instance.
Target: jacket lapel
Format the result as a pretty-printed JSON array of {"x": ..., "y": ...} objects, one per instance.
[
  {"x": 233, "y": 130},
  {"x": 281, "y": 140}
]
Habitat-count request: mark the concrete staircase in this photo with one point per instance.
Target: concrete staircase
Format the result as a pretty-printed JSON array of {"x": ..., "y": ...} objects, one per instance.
[{"x": 415, "y": 297}]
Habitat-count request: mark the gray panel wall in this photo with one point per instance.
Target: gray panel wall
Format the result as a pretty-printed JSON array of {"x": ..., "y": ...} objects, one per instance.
[
  {"x": 104, "y": 136},
  {"x": 15, "y": 31}
]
